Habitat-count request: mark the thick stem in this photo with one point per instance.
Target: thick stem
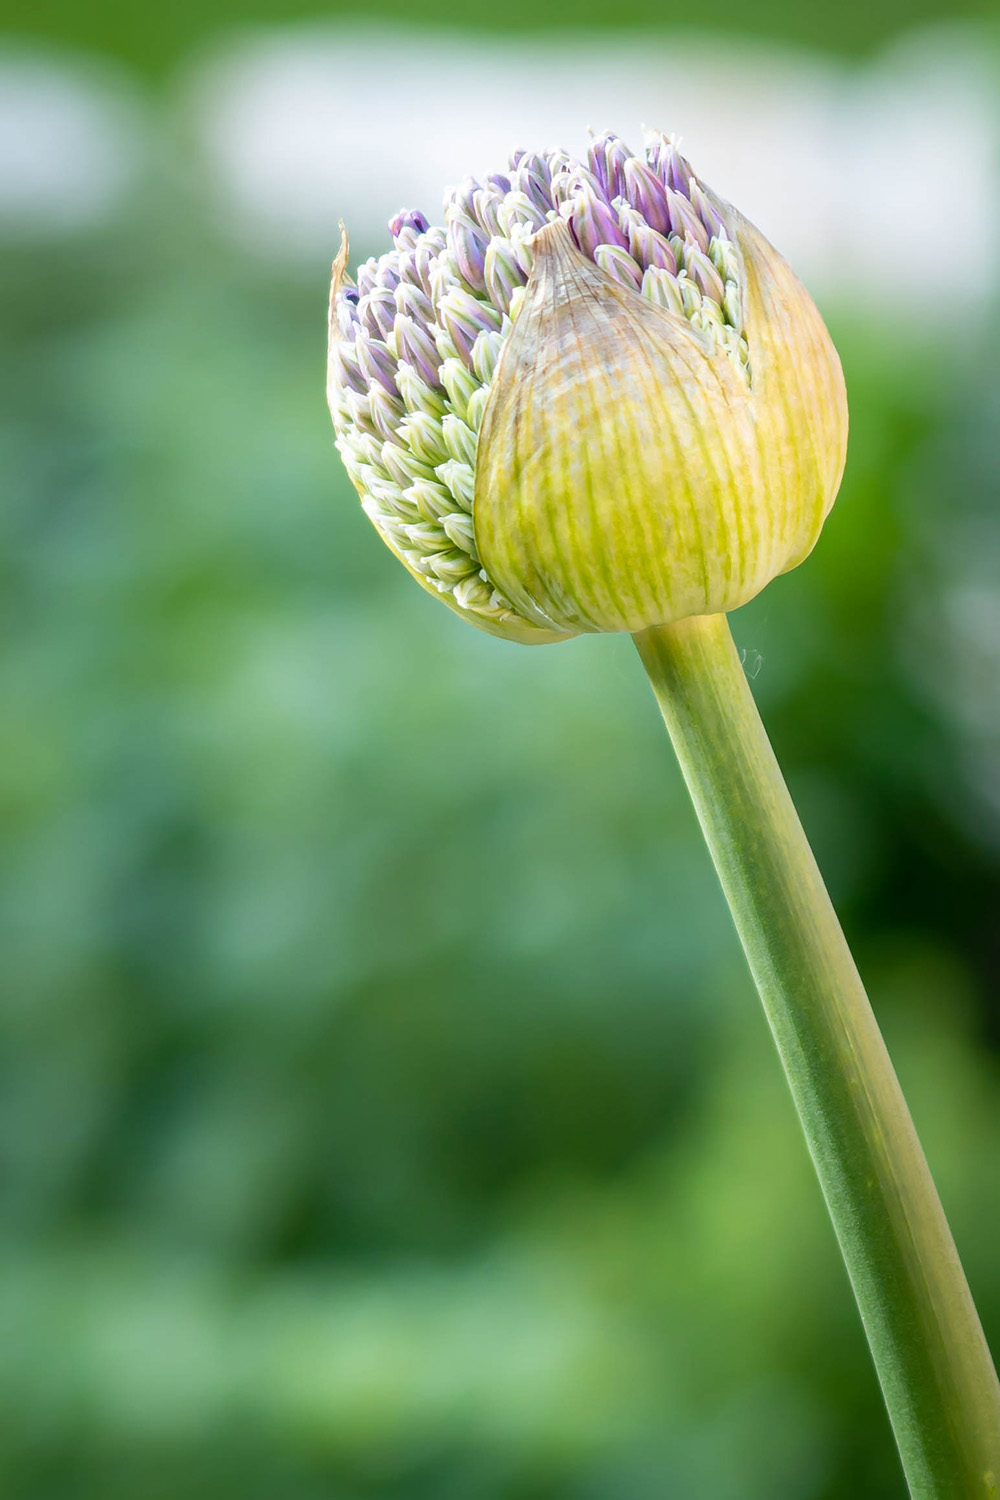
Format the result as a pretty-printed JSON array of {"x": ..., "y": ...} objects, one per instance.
[{"x": 932, "y": 1360}]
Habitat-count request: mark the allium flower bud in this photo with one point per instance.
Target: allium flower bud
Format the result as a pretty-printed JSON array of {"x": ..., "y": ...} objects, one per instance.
[{"x": 596, "y": 399}]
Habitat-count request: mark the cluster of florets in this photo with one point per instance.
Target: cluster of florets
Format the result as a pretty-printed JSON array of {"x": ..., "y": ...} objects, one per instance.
[{"x": 417, "y": 339}]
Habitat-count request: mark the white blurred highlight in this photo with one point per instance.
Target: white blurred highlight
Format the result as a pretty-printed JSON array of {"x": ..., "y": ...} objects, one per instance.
[
  {"x": 72, "y": 140},
  {"x": 865, "y": 177}
]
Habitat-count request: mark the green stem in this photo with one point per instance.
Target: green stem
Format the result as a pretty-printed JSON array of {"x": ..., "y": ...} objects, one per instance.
[{"x": 932, "y": 1360}]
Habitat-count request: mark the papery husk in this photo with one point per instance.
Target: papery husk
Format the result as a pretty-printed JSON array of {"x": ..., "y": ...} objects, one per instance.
[{"x": 630, "y": 473}]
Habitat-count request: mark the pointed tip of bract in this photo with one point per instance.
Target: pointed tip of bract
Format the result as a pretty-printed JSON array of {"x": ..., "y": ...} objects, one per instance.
[
  {"x": 341, "y": 257},
  {"x": 552, "y": 239},
  {"x": 339, "y": 272}
]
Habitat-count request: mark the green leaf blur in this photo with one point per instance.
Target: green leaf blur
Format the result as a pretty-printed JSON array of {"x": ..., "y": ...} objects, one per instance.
[{"x": 385, "y": 1112}]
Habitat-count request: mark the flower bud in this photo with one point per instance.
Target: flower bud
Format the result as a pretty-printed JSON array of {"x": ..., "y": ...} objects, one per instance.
[{"x": 598, "y": 401}]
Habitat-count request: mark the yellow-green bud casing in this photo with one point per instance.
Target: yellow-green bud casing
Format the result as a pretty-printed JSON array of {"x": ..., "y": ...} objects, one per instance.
[{"x": 631, "y": 473}]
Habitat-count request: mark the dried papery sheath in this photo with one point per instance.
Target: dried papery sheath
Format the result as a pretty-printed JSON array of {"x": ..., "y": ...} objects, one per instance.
[{"x": 593, "y": 399}]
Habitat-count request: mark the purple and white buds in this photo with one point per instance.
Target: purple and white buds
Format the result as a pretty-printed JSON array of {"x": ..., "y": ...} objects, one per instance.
[{"x": 416, "y": 344}]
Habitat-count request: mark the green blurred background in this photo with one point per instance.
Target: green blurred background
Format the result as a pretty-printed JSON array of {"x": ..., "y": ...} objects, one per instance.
[{"x": 385, "y": 1112}]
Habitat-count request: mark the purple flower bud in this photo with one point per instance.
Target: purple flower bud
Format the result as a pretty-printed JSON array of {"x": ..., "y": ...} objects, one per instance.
[
  {"x": 347, "y": 370},
  {"x": 607, "y": 156},
  {"x": 646, "y": 247},
  {"x": 415, "y": 303},
  {"x": 537, "y": 165},
  {"x": 593, "y": 223},
  {"x": 460, "y": 337},
  {"x": 424, "y": 259},
  {"x": 463, "y": 197},
  {"x": 619, "y": 264},
  {"x": 708, "y": 215},
  {"x": 592, "y": 183},
  {"x": 414, "y": 343},
  {"x": 407, "y": 218},
  {"x": 534, "y": 186},
  {"x": 502, "y": 273},
  {"x": 464, "y": 318},
  {"x": 668, "y": 164},
  {"x": 467, "y": 243},
  {"x": 416, "y": 269},
  {"x": 487, "y": 203},
  {"x": 499, "y": 181},
  {"x": 684, "y": 221},
  {"x": 377, "y": 312},
  {"x": 704, "y": 274},
  {"x": 376, "y": 363},
  {"x": 645, "y": 192},
  {"x": 386, "y": 411}
]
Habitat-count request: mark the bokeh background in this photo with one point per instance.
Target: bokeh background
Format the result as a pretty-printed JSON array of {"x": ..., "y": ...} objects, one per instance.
[{"x": 385, "y": 1112}]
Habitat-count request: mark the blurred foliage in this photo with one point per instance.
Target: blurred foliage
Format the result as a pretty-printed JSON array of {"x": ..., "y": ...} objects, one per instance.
[
  {"x": 385, "y": 1113},
  {"x": 155, "y": 37}
]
